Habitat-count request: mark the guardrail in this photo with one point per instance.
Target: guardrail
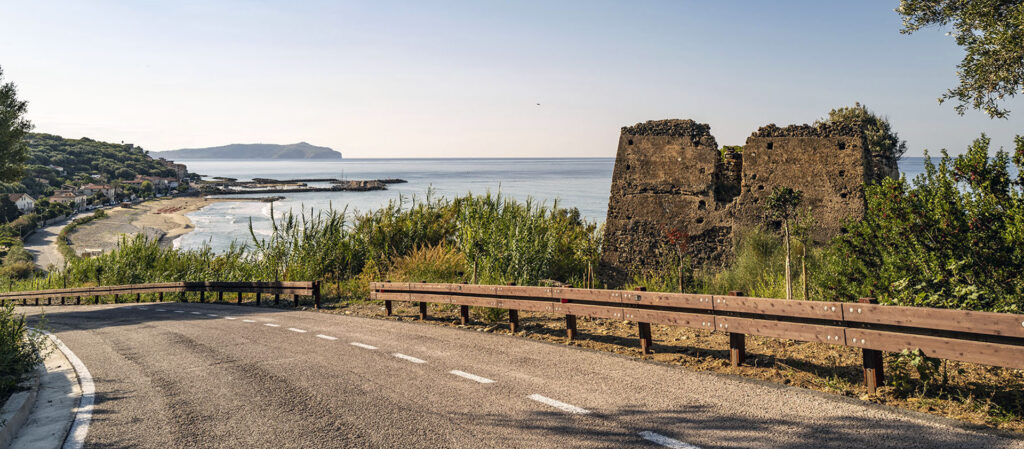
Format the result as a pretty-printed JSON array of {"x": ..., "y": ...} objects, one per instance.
[
  {"x": 979, "y": 337},
  {"x": 277, "y": 289}
]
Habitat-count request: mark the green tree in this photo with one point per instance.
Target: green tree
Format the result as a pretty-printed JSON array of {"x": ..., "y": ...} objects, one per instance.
[
  {"x": 13, "y": 127},
  {"x": 883, "y": 143},
  {"x": 781, "y": 205},
  {"x": 147, "y": 189},
  {"x": 951, "y": 238},
  {"x": 992, "y": 34}
]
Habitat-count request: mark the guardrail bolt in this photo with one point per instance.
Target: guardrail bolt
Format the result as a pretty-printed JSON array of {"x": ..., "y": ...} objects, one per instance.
[
  {"x": 737, "y": 342},
  {"x": 874, "y": 372}
]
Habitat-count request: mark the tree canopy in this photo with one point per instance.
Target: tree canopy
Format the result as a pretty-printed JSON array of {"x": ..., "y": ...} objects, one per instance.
[
  {"x": 992, "y": 34},
  {"x": 13, "y": 127}
]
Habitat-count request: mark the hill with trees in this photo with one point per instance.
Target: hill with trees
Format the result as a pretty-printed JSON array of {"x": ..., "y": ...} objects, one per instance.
[{"x": 301, "y": 150}]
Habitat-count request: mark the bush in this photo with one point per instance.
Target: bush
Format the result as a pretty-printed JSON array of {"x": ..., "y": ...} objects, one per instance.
[
  {"x": 953, "y": 238},
  {"x": 20, "y": 350}
]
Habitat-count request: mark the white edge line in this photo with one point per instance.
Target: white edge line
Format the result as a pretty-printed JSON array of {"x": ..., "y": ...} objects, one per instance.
[
  {"x": 408, "y": 358},
  {"x": 362, "y": 345},
  {"x": 248, "y": 321},
  {"x": 663, "y": 440},
  {"x": 75, "y": 438},
  {"x": 230, "y": 318},
  {"x": 568, "y": 408},
  {"x": 326, "y": 337},
  {"x": 301, "y": 331},
  {"x": 470, "y": 376},
  {"x": 271, "y": 324}
]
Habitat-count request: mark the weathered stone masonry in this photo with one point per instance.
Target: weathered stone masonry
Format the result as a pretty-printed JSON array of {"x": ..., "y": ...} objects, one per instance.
[{"x": 670, "y": 177}]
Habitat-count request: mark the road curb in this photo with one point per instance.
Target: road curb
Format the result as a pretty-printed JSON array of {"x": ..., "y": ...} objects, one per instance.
[{"x": 16, "y": 410}]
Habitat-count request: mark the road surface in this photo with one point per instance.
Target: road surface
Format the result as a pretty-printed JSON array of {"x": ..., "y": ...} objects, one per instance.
[
  {"x": 42, "y": 244},
  {"x": 200, "y": 375}
]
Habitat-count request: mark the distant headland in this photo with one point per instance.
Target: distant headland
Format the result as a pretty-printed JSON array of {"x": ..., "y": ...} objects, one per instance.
[{"x": 301, "y": 150}]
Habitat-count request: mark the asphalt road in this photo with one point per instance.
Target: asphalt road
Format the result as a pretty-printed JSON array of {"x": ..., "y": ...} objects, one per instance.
[
  {"x": 199, "y": 375},
  {"x": 42, "y": 244}
]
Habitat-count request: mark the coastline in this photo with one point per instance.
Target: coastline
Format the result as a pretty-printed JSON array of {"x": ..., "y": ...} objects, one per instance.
[{"x": 162, "y": 219}]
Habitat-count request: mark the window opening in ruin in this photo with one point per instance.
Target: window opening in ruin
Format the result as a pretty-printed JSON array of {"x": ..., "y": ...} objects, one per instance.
[
  {"x": 630, "y": 141},
  {"x": 771, "y": 145},
  {"x": 842, "y": 173},
  {"x": 842, "y": 145},
  {"x": 701, "y": 205}
]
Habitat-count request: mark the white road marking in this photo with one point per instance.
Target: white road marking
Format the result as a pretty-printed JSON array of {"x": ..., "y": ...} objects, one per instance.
[
  {"x": 663, "y": 440},
  {"x": 212, "y": 314},
  {"x": 408, "y": 358},
  {"x": 326, "y": 337},
  {"x": 161, "y": 310},
  {"x": 83, "y": 413},
  {"x": 230, "y": 318},
  {"x": 248, "y": 321},
  {"x": 469, "y": 376},
  {"x": 195, "y": 313},
  {"x": 271, "y": 324},
  {"x": 179, "y": 311},
  {"x": 143, "y": 308},
  {"x": 297, "y": 330},
  {"x": 362, "y": 345},
  {"x": 568, "y": 408}
]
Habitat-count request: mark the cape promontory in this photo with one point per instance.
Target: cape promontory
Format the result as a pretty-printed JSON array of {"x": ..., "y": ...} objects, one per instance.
[{"x": 301, "y": 150}]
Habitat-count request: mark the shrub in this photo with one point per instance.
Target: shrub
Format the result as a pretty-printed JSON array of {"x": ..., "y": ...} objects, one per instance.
[
  {"x": 952, "y": 238},
  {"x": 20, "y": 350}
]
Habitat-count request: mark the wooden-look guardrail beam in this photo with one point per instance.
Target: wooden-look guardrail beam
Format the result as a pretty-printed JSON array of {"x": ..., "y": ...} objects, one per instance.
[
  {"x": 293, "y": 288},
  {"x": 978, "y": 337}
]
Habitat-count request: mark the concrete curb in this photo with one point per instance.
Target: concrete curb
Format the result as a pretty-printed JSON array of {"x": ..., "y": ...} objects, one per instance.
[{"x": 18, "y": 407}]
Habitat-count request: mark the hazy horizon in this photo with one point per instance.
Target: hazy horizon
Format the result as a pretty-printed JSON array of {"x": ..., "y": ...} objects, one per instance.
[{"x": 464, "y": 79}]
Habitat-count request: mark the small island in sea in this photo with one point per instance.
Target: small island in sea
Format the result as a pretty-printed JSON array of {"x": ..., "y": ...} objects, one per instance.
[{"x": 301, "y": 150}]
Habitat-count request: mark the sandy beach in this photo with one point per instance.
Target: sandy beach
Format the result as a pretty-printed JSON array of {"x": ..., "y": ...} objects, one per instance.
[{"x": 162, "y": 219}]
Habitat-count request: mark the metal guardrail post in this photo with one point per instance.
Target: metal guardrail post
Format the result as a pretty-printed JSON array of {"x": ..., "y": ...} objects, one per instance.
[
  {"x": 258, "y": 294},
  {"x": 239, "y": 298},
  {"x": 423, "y": 306},
  {"x": 387, "y": 304},
  {"x": 277, "y": 299},
  {"x": 570, "y": 322},
  {"x": 737, "y": 342},
  {"x": 220, "y": 296},
  {"x": 644, "y": 332},
  {"x": 138, "y": 297},
  {"x": 202, "y": 295},
  {"x": 316, "y": 295},
  {"x": 513, "y": 316},
  {"x": 160, "y": 297},
  {"x": 874, "y": 372}
]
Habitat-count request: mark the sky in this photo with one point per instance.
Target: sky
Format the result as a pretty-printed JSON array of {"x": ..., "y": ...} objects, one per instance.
[{"x": 473, "y": 78}]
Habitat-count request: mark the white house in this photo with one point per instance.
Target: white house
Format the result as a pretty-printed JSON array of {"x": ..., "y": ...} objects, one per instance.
[{"x": 24, "y": 202}]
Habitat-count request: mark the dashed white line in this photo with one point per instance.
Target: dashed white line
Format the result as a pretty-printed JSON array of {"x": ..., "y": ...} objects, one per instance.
[
  {"x": 143, "y": 308},
  {"x": 179, "y": 311},
  {"x": 195, "y": 313},
  {"x": 663, "y": 440},
  {"x": 248, "y": 321},
  {"x": 568, "y": 408},
  {"x": 301, "y": 331},
  {"x": 230, "y": 318},
  {"x": 326, "y": 337},
  {"x": 161, "y": 310},
  {"x": 362, "y": 345},
  {"x": 469, "y": 376},
  {"x": 408, "y": 358},
  {"x": 212, "y": 314},
  {"x": 271, "y": 324}
]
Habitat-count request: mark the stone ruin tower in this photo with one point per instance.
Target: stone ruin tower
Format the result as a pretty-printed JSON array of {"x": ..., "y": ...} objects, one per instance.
[{"x": 671, "y": 179}]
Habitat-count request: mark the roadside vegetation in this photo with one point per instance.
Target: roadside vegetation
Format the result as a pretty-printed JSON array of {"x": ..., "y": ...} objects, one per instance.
[{"x": 20, "y": 350}]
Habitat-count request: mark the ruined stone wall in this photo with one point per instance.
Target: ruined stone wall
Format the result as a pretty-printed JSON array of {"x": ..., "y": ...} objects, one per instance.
[{"x": 670, "y": 179}]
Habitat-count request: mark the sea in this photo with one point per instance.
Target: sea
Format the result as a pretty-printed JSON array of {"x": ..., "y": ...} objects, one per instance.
[{"x": 583, "y": 183}]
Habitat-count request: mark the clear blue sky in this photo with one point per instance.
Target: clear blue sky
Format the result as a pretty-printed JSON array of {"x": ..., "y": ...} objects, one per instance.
[{"x": 463, "y": 78}]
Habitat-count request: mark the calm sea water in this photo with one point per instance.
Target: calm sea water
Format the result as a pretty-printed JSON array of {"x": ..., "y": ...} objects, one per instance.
[{"x": 580, "y": 183}]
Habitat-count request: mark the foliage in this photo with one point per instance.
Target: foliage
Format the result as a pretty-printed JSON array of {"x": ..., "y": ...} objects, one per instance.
[
  {"x": 782, "y": 203},
  {"x": 992, "y": 34},
  {"x": 80, "y": 161},
  {"x": 13, "y": 127},
  {"x": 882, "y": 141},
  {"x": 20, "y": 350},
  {"x": 440, "y": 263},
  {"x": 912, "y": 372},
  {"x": 952, "y": 238}
]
